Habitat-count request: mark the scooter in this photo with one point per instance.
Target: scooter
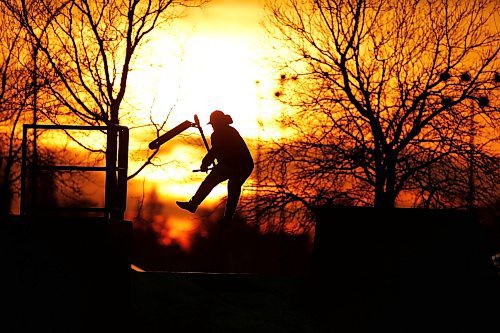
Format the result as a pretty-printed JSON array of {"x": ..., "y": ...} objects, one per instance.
[{"x": 156, "y": 143}]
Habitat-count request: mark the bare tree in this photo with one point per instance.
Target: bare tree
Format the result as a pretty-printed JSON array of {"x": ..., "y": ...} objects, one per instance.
[
  {"x": 90, "y": 48},
  {"x": 17, "y": 98},
  {"x": 378, "y": 95},
  {"x": 11, "y": 106},
  {"x": 20, "y": 89}
]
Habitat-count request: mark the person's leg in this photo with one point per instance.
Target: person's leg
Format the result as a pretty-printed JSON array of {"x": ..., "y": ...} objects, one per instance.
[
  {"x": 214, "y": 178},
  {"x": 233, "y": 194}
]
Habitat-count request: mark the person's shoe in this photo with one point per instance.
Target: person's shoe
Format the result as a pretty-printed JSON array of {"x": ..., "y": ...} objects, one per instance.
[{"x": 187, "y": 205}]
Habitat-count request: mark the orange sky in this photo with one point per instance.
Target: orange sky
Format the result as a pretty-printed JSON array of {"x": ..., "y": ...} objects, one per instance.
[
  {"x": 218, "y": 57},
  {"x": 215, "y": 58},
  {"x": 211, "y": 59}
]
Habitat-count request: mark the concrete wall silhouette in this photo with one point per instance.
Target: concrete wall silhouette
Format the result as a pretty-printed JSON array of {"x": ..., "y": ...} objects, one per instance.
[
  {"x": 64, "y": 274},
  {"x": 404, "y": 269}
]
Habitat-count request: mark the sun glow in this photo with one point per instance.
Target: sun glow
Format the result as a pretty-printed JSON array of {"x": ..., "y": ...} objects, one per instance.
[{"x": 215, "y": 58}]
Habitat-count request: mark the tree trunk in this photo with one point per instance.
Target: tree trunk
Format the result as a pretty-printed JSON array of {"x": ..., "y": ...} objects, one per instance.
[
  {"x": 384, "y": 199},
  {"x": 385, "y": 193},
  {"x": 390, "y": 182}
]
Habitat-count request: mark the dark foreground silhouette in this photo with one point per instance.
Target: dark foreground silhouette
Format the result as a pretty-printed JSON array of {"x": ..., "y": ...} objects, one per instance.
[
  {"x": 403, "y": 270},
  {"x": 372, "y": 270},
  {"x": 64, "y": 274},
  {"x": 406, "y": 270},
  {"x": 234, "y": 163}
]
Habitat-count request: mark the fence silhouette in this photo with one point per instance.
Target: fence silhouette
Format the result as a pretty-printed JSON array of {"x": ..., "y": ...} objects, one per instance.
[{"x": 114, "y": 197}]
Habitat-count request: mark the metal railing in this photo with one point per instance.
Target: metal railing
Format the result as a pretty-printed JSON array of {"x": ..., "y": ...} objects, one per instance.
[{"x": 115, "y": 192}]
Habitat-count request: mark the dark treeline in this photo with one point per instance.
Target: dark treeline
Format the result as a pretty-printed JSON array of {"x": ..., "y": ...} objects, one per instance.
[{"x": 239, "y": 248}]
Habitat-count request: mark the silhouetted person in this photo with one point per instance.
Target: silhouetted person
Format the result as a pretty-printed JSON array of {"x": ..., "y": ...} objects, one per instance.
[{"x": 234, "y": 163}]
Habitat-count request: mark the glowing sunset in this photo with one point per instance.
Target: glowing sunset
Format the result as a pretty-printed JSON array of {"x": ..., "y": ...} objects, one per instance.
[
  {"x": 214, "y": 58},
  {"x": 250, "y": 165}
]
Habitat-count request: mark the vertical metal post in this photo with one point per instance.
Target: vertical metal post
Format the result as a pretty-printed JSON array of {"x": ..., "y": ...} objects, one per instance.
[
  {"x": 111, "y": 189},
  {"x": 122, "y": 170}
]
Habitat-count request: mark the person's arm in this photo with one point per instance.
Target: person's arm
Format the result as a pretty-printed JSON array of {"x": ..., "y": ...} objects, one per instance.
[
  {"x": 207, "y": 160},
  {"x": 210, "y": 156}
]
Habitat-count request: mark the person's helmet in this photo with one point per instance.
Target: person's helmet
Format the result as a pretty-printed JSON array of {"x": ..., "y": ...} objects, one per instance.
[{"x": 219, "y": 117}]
